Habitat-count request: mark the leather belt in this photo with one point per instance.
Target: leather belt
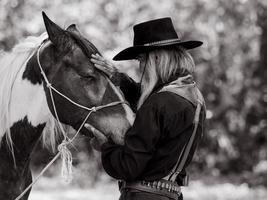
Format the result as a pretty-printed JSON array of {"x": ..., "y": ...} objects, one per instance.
[{"x": 161, "y": 187}]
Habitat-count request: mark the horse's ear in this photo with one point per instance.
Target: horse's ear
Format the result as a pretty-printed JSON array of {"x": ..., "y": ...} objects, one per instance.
[
  {"x": 55, "y": 33},
  {"x": 73, "y": 28}
]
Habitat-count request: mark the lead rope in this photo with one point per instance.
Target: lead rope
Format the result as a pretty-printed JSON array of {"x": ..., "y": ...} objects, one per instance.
[
  {"x": 65, "y": 154},
  {"x": 63, "y": 151}
]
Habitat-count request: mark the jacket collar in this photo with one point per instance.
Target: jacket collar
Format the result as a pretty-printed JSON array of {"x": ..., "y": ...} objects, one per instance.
[{"x": 187, "y": 79}]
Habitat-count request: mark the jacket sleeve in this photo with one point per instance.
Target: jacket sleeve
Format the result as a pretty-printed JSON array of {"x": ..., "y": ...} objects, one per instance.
[
  {"x": 128, "y": 162},
  {"x": 129, "y": 87}
]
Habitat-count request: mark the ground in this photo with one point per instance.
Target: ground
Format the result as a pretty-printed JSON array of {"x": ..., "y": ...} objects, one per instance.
[{"x": 55, "y": 189}]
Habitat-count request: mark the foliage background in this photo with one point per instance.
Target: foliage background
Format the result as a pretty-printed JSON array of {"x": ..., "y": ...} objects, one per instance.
[{"x": 231, "y": 71}]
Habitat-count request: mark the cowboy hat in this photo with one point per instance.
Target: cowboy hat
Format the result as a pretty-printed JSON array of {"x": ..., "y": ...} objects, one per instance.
[{"x": 152, "y": 35}]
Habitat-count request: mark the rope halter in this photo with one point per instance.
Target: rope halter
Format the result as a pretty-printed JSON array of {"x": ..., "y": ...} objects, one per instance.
[
  {"x": 90, "y": 109},
  {"x": 63, "y": 151}
]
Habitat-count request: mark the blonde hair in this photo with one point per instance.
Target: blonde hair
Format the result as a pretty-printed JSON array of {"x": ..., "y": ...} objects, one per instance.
[{"x": 165, "y": 65}]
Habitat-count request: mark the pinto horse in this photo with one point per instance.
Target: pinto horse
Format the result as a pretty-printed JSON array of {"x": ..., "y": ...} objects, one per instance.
[{"x": 26, "y": 106}]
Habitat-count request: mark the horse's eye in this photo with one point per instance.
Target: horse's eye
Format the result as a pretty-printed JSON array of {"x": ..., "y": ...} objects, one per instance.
[{"x": 88, "y": 76}]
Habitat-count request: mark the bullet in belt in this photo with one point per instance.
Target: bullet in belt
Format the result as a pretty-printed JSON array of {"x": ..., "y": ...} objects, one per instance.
[
  {"x": 154, "y": 184},
  {"x": 159, "y": 184},
  {"x": 170, "y": 187}
]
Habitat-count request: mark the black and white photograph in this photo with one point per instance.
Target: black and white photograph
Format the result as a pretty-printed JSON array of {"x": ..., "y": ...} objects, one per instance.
[{"x": 133, "y": 100}]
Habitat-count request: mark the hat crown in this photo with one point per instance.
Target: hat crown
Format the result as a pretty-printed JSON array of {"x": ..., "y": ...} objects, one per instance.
[
  {"x": 154, "y": 34},
  {"x": 154, "y": 31}
]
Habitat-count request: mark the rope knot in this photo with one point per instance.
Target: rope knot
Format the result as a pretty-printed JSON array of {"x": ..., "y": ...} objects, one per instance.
[
  {"x": 62, "y": 146},
  {"x": 48, "y": 85},
  {"x": 93, "y": 109},
  {"x": 66, "y": 169}
]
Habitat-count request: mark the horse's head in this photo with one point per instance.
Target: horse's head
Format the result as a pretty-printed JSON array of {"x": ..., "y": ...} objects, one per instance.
[{"x": 65, "y": 59}]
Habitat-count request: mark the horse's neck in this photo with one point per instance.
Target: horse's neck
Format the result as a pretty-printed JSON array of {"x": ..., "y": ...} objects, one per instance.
[
  {"x": 15, "y": 176},
  {"x": 28, "y": 116},
  {"x": 28, "y": 109},
  {"x": 24, "y": 138},
  {"x": 28, "y": 97}
]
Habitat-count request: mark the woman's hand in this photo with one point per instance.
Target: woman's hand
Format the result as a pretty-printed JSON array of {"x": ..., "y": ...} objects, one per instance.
[
  {"x": 99, "y": 138},
  {"x": 103, "y": 64}
]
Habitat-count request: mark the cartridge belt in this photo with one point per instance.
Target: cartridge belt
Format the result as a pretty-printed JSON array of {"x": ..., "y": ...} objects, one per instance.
[{"x": 161, "y": 187}]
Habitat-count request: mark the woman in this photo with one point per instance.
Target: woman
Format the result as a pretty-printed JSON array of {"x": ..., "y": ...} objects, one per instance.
[{"x": 169, "y": 119}]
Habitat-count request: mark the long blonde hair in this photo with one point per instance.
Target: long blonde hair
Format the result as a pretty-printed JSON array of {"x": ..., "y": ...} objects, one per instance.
[{"x": 162, "y": 65}]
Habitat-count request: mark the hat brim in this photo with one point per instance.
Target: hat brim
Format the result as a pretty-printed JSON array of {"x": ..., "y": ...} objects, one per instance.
[{"x": 132, "y": 52}]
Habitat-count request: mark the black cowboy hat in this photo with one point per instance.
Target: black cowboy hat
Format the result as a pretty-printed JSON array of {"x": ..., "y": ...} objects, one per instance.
[{"x": 152, "y": 35}]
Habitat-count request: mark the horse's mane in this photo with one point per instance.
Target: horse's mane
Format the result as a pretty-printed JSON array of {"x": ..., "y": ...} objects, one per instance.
[{"x": 10, "y": 65}]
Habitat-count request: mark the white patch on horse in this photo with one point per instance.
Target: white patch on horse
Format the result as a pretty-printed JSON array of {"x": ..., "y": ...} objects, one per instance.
[
  {"x": 19, "y": 98},
  {"x": 130, "y": 116},
  {"x": 28, "y": 100}
]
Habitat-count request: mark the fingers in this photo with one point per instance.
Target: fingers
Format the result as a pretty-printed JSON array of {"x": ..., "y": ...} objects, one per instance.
[
  {"x": 102, "y": 65},
  {"x": 102, "y": 138},
  {"x": 97, "y": 59},
  {"x": 99, "y": 135},
  {"x": 89, "y": 127},
  {"x": 100, "y": 62},
  {"x": 105, "y": 70},
  {"x": 97, "y": 56}
]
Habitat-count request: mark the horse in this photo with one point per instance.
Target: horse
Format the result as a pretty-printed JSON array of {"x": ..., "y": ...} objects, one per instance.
[{"x": 30, "y": 109}]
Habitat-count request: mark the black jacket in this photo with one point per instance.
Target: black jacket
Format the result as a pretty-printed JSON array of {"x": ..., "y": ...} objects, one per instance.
[{"x": 163, "y": 125}]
